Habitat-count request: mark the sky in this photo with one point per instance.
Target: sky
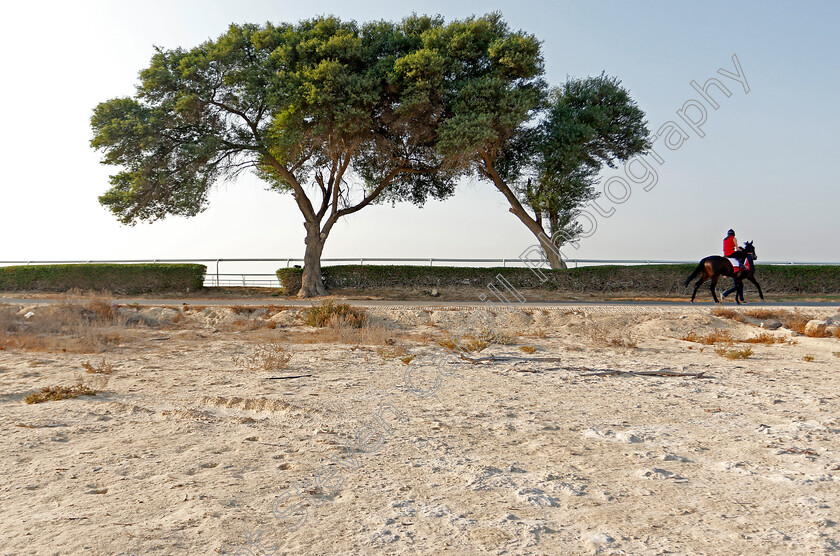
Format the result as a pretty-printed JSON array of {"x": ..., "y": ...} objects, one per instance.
[{"x": 765, "y": 165}]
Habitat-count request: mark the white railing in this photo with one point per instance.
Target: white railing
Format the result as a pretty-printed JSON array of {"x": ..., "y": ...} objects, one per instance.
[{"x": 258, "y": 279}]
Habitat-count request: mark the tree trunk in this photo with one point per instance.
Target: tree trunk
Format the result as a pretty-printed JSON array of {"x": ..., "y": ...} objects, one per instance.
[
  {"x": 311, "y": 284},
  {"x": 551, "y": 251},
  {"x": 554, "y": 259}
]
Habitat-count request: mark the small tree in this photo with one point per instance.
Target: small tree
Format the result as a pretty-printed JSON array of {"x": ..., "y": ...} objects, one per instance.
[
  {"x": 497, "y": 101},
  {"x": 589, "y": 123},
  {"x": 338, "y": 115}
]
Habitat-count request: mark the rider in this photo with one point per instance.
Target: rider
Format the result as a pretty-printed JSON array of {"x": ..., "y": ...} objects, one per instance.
[{"x": 730, "y": 246}]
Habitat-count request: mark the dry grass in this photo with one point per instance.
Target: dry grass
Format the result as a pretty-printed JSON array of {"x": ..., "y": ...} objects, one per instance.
[
  {"x": 334, "y": 314},
  {"x": 603, "y": 336},
  {"x": 268, "y": 356},
  {"x": 369, "y": 335},
  {"x": 539, "y": 333},
  {"x": 408, "y": 358},
  {"x": 87, "y": 326},
  {"x": 104, "y": 368},
  {"x": 734, "y": 353},
  {"x": 253, "y": 324},
  {"x": 54, "y": 393},
  {"x": 730, "y": 314},
  {"x": 507, "y": 340},
  {"x": 835, "y": 353},
  {"x": 792, "y": 320},
  {"x": 528, "y": 349},
  {"x": 765, "y": 338},
  {"x": 391, "y": 352},
  {"x": 717, "y": 337},
  {"x": 466, "y": 344},
  {"x": 808, "y": 358}
]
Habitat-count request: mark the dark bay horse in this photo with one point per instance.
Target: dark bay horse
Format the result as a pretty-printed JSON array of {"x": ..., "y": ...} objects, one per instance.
[{"x": 711, "y": 268}]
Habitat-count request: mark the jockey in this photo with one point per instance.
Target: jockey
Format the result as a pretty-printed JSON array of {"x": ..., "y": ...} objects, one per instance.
[{"x": 730, "y": 246}]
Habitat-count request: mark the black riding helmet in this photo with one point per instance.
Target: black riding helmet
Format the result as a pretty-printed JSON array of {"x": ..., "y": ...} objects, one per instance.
[{"x": 731, "y": 232}]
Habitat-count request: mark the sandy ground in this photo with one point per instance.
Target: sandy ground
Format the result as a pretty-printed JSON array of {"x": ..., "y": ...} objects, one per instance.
[{"x": 186, "y": 452}]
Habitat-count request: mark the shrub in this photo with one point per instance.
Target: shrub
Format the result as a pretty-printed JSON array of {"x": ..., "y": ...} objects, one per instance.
[
  {"x": 103, "y": 368},
  {"x": 734, "y": 353},
  {"x": 268, "y": 356},
  {"x": 53, "y": 393},
  {"x": 718, "y": 336},
  {"x": 528, "y": 349},
  {"x": 118, "y": 278},
  {"x": 334, "y": 314},
  {"x": 765, "y": 338},
  {"x": 808, "y": 358}
]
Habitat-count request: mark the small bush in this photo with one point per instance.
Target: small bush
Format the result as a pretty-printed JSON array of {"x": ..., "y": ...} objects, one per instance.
[
  {"x": 391, "y": 352},
  {"x": 731, "y": 314},
  {"x": 54, "y": 393},
  {"x": 467, "y": 344},
  {"x": 333, "y": 314},
  {"x": 808, "y": 358},
  {"x": 835, "y": 353},
  {"x": 528, "y": 349},
  {"x": 716, "y": 337},
  {"x": 765, "y": 338},
  {"x": 603, "y": 336},
  {"x": 507, "y": 340},
  {"x": 734, "y": 353},
  {"x": 268, "y": 356},
  {"x": 103, "y": 368}
]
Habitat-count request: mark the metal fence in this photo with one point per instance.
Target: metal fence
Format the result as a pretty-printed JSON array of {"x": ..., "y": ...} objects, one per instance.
[{"x": 215, "y": 277}]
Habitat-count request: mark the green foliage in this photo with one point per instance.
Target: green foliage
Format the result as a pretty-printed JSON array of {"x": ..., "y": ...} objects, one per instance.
[
  {"x": 312, "y": 103},
  {"x": 589, "y": 123},
  {"x": 116, "y": 278},
  {"x": 652, "y": 279}
]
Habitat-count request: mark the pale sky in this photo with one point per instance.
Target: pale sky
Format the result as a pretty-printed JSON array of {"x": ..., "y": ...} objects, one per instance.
[{"x": 764, "y": 167}]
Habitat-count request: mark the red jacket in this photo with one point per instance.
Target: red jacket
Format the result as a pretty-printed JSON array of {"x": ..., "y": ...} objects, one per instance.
[{"x": 729, "y": 245}]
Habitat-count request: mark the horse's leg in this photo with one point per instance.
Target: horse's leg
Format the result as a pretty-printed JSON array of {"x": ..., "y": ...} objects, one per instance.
[
  {"x": 739, "y": 294},
  {"x": 713, "y": 286},
  {"x": 751, "y": 278},
  {"x": 697, "y": 286}
]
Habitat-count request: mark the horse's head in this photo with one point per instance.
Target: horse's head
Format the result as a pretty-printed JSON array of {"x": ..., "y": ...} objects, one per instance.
[{"x": 750, "y": 248}]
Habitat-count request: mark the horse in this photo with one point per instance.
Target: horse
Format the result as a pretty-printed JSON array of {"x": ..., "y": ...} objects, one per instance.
[{"x": 711, "y": 268}]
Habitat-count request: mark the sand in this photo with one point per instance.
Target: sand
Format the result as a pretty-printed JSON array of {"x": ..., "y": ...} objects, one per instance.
[{"x": 186, "y": 452}]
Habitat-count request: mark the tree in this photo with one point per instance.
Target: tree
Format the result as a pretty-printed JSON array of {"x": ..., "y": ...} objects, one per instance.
[
  {"x": 338, "y": 115},
  {"x": 541, "y": 150},
  {"x": 590, "y": 123}
]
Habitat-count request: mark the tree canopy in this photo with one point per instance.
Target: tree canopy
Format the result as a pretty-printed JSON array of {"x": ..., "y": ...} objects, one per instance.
[
  {"x": 342, "y": 115},
  {"x": 335, "y": 113}
]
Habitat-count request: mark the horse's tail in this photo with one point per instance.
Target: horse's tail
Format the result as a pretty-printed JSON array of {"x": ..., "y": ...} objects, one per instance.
[{"x": 694, "y": 274}]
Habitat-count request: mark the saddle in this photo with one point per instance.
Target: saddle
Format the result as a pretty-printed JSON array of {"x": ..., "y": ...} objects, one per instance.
[{"x": 736, "y": 264}]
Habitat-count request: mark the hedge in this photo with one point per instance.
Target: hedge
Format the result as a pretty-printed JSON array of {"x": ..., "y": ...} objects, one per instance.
[
  {"x": 651, "y": 279},
  {"x": 116, "y": 278}
]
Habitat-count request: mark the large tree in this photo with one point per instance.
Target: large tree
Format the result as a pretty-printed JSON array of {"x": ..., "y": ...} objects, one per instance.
[{"x": 338, "y": 115}]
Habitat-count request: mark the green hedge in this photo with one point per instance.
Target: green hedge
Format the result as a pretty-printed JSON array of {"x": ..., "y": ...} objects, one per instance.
[
  {"x": 116, "y": 278},
  {"x": 651, "y": 279}
]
